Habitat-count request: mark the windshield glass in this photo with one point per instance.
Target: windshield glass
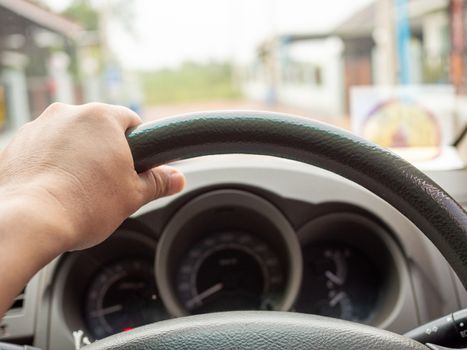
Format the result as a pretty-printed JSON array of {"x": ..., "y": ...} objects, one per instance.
[{"x": 392, "y": 71}]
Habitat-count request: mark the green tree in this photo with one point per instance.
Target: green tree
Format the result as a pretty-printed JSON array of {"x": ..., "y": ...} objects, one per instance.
[{"x": 82, "y": 11}]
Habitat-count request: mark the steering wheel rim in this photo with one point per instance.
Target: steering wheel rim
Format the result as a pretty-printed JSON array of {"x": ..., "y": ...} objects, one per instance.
[
  {"x": 394, "y": 180},
  {"x": 388, "y": 176}
]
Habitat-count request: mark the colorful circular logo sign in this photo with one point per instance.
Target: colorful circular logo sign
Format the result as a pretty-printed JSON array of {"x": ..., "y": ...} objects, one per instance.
[{"x": 401, "y": 123}]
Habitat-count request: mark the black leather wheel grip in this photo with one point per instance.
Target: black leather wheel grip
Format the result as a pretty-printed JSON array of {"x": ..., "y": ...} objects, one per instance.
[{"x": 411, "y": 192}]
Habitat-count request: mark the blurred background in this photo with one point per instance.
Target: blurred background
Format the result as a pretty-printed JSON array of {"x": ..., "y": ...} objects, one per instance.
[{"x": 393, "y": 71}]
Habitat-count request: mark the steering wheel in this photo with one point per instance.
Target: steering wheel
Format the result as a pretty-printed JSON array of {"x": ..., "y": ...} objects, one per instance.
[{"x": 394, "y": 180}]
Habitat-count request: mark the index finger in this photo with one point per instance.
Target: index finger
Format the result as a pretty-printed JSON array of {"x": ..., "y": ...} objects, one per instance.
[{"x": 125, "y": 117}]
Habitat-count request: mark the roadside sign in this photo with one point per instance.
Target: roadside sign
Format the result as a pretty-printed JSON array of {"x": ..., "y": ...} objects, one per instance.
[{"x": 404, "y": 116}]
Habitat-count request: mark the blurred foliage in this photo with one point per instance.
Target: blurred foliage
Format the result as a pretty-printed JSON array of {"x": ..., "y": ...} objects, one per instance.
[
  {"x": 82, "y": 12},
  {"x": 436, "y": 72},
  {"x": 189, "y": 83}
]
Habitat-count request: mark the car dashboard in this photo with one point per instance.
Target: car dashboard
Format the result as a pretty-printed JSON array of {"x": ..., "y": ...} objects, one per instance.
[{"x": 247, "y": 233}]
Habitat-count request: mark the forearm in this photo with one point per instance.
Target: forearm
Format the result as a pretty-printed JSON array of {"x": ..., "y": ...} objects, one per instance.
[
  {"x": 67, "y": 181},
  {"x": 29, "y": 239}
]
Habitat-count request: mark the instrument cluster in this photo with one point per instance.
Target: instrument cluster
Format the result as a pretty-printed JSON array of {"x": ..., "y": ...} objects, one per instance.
[{"x": 231, "y": 250}]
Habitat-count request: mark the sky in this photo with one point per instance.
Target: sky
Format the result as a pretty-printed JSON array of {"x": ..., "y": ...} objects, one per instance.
[{"x": 169, "y": 32}]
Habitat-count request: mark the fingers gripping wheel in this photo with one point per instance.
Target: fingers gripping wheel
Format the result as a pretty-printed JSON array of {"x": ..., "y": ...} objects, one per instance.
[{"x": 421, "y": 200}]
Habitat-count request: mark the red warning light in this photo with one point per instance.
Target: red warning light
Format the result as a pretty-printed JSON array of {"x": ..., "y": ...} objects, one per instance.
[{"x": 127, "y": 329}]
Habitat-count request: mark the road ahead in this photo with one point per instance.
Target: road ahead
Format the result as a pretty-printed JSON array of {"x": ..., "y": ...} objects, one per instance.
[{"x": 157, "y": 112}]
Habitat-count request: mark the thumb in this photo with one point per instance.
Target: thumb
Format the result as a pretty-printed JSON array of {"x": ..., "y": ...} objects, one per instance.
[{"x": 160, "y": 182}]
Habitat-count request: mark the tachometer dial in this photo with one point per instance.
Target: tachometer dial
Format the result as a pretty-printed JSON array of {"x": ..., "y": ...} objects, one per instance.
[
  {"x": 338, "y": 281},
  {"x": 122, "y": 296},
  {"x": 230, "y": 271}
]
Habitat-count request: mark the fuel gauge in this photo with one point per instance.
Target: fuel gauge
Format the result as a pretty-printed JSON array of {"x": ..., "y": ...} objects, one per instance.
[{"x": 338, "y": 281}]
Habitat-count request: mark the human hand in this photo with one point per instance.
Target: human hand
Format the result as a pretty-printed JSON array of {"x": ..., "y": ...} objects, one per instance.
[{"x": 73, "y": 168}]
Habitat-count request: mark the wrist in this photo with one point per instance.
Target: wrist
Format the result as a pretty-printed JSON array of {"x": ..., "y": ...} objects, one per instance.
[
  {"x": 34, "y": 223},
  {"x": 28, "y": 240}
]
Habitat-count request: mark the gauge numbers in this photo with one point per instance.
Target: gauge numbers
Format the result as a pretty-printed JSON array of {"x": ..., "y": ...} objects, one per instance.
[{"x": 230, "y": 271}]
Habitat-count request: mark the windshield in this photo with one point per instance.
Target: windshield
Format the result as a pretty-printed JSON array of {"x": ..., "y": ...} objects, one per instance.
[{"x": 392, "y": 71}]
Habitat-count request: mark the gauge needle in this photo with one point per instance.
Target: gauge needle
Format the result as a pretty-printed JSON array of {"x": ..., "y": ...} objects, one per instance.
[
  {"x": 203, "y": 295},
  {"x": 338, "y": 297},
  {"x": 334, "y": 278},
  {"x": 107, "y": 310}
]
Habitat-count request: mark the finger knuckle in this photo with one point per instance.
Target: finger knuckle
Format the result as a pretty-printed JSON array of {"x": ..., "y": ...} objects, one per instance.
[
  {"x": 126, "y": 112},
  {"x": 123, "y": 109},
  {"x": 95, "y": 112},
  {"x": 96, "y": 108},
  {"x": 108, "y": 112},
  {"x": 56, "y": 107},
  {"x": 160, "y": 184}
]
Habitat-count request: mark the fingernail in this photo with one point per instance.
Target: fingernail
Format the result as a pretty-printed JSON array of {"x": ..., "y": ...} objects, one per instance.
[{"x": 176, "y": 182}]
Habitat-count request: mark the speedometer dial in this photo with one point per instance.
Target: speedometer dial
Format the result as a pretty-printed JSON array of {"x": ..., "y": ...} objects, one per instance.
[
  {"x": 230, "y": 271},
  {"x": 123, "y": 296}
]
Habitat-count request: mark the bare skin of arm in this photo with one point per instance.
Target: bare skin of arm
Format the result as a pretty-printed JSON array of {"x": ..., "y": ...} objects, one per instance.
[{"x": 67, "y": 181}]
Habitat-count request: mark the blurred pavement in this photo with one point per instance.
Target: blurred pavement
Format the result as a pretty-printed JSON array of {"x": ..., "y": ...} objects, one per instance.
[{"x": 161, "y": 111}]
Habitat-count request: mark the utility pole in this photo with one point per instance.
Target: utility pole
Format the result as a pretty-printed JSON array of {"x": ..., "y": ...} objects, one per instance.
[{"x": 403, "y": 40}]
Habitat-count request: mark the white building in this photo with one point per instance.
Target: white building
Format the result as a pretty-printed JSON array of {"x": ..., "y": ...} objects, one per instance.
[{"x": 315, "y": 71}]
